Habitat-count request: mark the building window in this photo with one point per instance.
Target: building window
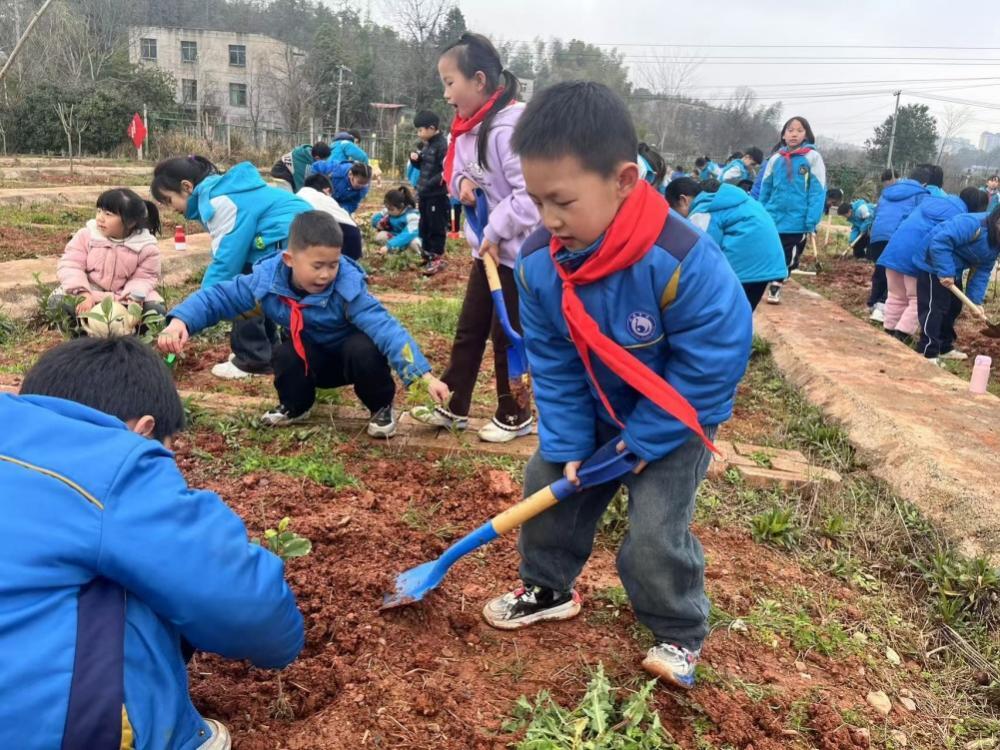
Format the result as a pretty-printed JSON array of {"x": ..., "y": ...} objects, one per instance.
[
  {"x": 237, "y": 94},
  {"x": 238, "y": 55},
  {"x": 189, "y": 52},
  {"x": 147, "y": 49},
  {"x": 189, "y": 91}
]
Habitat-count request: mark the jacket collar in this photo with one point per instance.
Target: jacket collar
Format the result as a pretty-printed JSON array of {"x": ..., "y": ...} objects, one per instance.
[
  {"x": 135, "y": 241},
  {"x": 348, "y": 284},
  {"x": 70, "y": 409}
]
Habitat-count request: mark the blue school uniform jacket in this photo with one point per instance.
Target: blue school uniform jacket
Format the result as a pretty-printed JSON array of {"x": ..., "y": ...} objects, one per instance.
[
  {"x": 957, "y": 244},
  {"x": 344, "y": 148},
  {"x": 862, "y": 217},
  {"x": 247, "y": 218},
  {"x": 795, "y": 202},
  {"x": 745, "y": 232},
  {"x": 710, "y": 171},
  {"x": 896, "y": 203},
  {"x": 112, "y": 560},
  {"x": 914, "y": 233},
  {"x": 758, "y": 181},
  {"x": 404, "y": 228},
  {"x": 680, "y": 310},
  {"x": 735, "y": 172},
  {"x": 329, "y": 316},
  {"x": 347, "y": 196}
]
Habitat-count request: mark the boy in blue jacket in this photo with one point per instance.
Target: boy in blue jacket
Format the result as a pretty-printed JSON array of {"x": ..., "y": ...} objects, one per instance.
[
  {"x": 340, "y": 334},
  {"x": 860, "y": 214},
  {"x": 117, "y": 565},
  {"x": 742, "y": 169},
  {"x": 615, "y": 270},
  {"x": 966, "y": 242}
]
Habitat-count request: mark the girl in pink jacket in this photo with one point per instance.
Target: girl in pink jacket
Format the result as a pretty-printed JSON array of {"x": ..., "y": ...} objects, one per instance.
[
  {"x": 115, "y": 255},
  {"x": 484, "y": 96}
]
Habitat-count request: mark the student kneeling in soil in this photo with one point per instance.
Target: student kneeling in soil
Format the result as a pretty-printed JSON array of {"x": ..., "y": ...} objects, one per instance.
[
  {"x": 619, "y": 273},
  {"x": 339, "y": 333},
  {"x": 115, "y": 562}
]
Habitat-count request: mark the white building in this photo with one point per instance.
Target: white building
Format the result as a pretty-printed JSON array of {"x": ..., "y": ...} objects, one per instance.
[
  {"x": 989, "y": 141},
  {"x": 238, "y": 78}
]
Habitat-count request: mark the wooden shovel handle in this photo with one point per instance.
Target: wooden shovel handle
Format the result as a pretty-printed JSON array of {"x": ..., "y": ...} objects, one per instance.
[{"x": 968, "y": 303}]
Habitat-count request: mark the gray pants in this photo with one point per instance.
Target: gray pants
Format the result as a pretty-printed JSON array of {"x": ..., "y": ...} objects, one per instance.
[{"x": 660, "y": 562}]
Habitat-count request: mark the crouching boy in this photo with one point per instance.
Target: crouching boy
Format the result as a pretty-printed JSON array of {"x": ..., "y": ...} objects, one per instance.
[
  {"x": 627, "y": 310},
  {"x": 116, "y": 562},
  {"x": 339, "y": 333}
]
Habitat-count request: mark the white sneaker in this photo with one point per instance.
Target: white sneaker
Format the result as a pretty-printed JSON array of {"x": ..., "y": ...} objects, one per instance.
[
  {"x": 672, "y": 663},
  {"x": 497, "y": 432},
  {"x": 220, "y": 739},
  {"x": 439, "y": 417},
  {"x": 774, "y": 294},
  {"x": 228, "y": 371},
  {"x": 383, "y": 423},
  {"x": 955, "y": 355},
  {"x": 279, "y": 417},
  {"x": 878, "y": 313}
]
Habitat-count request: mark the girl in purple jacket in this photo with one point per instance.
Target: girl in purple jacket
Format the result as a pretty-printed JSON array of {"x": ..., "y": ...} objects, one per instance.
[{"x": 480, "y": 156}]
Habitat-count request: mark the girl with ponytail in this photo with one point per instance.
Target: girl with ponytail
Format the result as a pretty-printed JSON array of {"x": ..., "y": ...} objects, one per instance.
[{"x": 480, "y": 160}]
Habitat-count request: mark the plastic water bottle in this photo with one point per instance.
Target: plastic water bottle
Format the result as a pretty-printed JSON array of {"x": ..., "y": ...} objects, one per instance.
[
  {"x": 180, "y": 239},
  {"x": 980, "y": 374}
]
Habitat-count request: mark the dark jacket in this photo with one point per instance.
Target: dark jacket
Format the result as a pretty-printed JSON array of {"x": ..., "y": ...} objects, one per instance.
[{"x": 430, "y": 160}]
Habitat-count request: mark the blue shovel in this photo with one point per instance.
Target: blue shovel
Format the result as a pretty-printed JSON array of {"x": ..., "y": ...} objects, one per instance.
[
  {"x": 517, "y": 358},
  {"x": 605, "y": 465}
]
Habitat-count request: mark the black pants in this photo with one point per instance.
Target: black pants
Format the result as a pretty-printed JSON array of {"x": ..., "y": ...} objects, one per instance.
[
  {"x": 476, "y": 323},
  {"x": 880, "y": 286},
  {"x": 861, "y": 246},
  {"x": 937, "y": 311},
  {"x": 352, "y": 241},
  {"x": 754, "y": 292},
  {"x": 252, "y": 340},
  {"x": 456, "y": 217},
  {"x": 356, "y": 362},
  {"x": 793, "y": 245},
  {"x": 435, "y": 213}
]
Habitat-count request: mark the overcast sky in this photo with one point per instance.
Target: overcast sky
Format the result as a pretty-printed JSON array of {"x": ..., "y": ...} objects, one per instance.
[{"x": 843, "y": 99}]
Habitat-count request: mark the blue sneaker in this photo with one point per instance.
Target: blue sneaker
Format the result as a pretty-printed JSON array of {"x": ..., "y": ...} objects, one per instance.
[{"x": 672, "y": 664}]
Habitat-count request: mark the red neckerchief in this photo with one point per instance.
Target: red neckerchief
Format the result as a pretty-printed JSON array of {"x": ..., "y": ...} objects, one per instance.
[
  {"x": 631, "y": 235},
  {"x": 295, "y": 326},
  {"x": 800, "y": 151},
  {"x": 461, "y": 126}
]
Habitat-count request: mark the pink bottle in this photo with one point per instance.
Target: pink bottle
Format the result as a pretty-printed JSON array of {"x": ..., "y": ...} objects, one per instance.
[{"x": 980, "y": 374}]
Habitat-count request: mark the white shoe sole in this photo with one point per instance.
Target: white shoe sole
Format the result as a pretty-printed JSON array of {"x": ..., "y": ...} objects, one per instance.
[
  {"x": 952, "y": 357},
  {"x": 658, "y": 669},
  {"x": 493, "y": 434},
  {"x": 288, "y": 421},
  {"x": 773, "y": 301},
  {"x": 566, "y": 611},
  {"x": 382, "y": 432},
  {"x": 430, "y": 417}
]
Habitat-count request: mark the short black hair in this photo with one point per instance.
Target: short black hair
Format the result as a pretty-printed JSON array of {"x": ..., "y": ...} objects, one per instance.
[
  {"x": 844, "y": 208},
  {"x": 314, "y": 228},
  {"x": 755, "y": 154},
  {"x": 136, "y": 214},
  {"x": 889, "y": 174},
  {"x": 681, "y": 186},
  {"x": 583, "y": 119},
  {"x": 361, "y": 170},
  {"x": 975, "y": 199},
  {"x": 318, "y": 181},
  {"x": 993, "y": 177},
  {"x": 937, "y": 175},
  {"x": 320, "y": 150},
  {"x": 355, "y": 134},
  {"x": 922, "y": 173},
  {"x": 426, "y": 119},
  {"x": 745, "y": 185},
  {"x": 120, "y": 376}
]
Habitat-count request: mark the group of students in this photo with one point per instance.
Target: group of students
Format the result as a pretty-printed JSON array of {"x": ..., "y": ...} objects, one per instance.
[
  {"x": 922, "y": 242},
  {"x": 638, "y": 329}
]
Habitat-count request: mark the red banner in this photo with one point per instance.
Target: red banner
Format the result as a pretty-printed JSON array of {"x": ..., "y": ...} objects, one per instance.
[{"x": 137, "y": 130}]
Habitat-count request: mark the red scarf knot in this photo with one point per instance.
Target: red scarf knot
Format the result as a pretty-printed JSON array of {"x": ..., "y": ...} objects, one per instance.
[
  {"x": 800, "y": 151},
  {"x": 295, "y": 326},
  {"x": 460, "y": 126},
  {"x": 631, "y": 235}
]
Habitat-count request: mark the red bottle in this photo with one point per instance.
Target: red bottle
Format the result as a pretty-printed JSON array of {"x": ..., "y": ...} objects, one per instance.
[{"x": 180, "y": 240}]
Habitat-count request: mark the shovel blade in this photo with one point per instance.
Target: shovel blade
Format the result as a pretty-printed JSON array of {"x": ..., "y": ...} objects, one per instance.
[
  {"x": 412, "y": 585},
  {"x": 992, "y": 331}
]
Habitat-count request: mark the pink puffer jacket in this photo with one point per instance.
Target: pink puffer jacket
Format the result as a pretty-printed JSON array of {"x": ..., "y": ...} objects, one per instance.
[{"x": 126, "y": 268}]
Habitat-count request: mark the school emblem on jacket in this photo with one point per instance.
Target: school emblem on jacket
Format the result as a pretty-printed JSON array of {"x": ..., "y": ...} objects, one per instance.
[{"x": 641, "y": 325}]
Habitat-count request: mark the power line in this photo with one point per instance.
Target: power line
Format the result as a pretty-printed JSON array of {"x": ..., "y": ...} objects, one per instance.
[{"x": 766, "y": 46}]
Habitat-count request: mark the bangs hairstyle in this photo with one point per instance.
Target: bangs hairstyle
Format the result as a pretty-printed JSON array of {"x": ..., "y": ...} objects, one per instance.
[
  {"x": 578, "y": 118},
  {"x": 136, "y": 214},
  {"x": 120, "y": 376},
  {"x": 810, "y": 138},
  {"x": 169, "y": 173},
  {"x": 474, "y": 53},
  {"x": 314, "y": 228}
]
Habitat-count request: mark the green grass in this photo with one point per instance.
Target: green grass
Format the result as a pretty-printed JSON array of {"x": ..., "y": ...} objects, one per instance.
[
  {"x": 317, "y": 465},
  {"x": 436, "y": 315},
  {"x": 53, "y": 215}
]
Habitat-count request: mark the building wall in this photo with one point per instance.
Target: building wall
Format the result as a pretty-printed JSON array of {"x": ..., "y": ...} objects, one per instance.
[
  {"x": 989, "y": 141},
  {"x": 266, "y": 65}
]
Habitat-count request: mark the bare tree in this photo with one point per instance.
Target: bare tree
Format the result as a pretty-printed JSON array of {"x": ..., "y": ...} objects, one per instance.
[
  {"x": 950, "y": 123},
  {"x": 291, "y": 89},
  {"x": 21, "y": 37},
  {"x": 669, "y": 75}
]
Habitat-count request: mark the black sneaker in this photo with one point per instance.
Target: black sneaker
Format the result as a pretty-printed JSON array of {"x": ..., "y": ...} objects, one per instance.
[
  {"x": 383, "y": 423},
  {"x": 526, "y": 606},
  {"x": 280, "y": 416},
  {"x": 433, "y": 266},
  {"x": 774, "y": 294}
]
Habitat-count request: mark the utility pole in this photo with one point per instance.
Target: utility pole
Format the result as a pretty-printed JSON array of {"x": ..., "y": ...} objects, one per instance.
[
  {"x": 20, "y": 42},
  {"x": 892, "y": 137},
  {"x": 340, "y": 86}
]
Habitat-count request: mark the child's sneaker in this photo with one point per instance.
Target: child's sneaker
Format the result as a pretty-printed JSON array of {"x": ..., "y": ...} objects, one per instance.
[
  {"x": 229, "y": 371},
  {"x": 433, "y": 266},
  {"x": 526, "y": 606},
  {"x": 498, "y": 432},
  {"x": 954, "y": 355},
  {"x": 383, "y": 423},
  {"x": 774, "y": 294},
  {"x": 878, "y": 312},
  {"x": 454, "y": 235},
  {"x": 281, "y": 416},
  {"x": 439, "y": 417},
  {"x": 672, "y": 663}
]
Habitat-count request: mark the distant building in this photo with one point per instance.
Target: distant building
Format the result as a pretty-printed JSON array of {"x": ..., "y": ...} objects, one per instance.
[
  {"x": 227, "y": 76},
  {"x": 989, "y": 141}
]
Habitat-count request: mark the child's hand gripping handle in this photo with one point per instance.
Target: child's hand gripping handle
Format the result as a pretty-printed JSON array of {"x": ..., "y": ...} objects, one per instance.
[
  {"x": 976, "y": 309},
  {"x": 605, "y": 465}
]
